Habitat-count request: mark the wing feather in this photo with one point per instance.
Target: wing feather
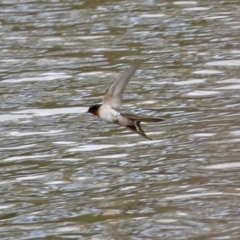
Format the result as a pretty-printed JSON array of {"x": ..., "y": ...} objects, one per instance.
[
  {"x": 142, "y": 119},
  {"x": 113, "y": 96}
]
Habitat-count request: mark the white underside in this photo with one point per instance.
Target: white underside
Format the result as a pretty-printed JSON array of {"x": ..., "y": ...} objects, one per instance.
[{"x": 108, "y": 114}]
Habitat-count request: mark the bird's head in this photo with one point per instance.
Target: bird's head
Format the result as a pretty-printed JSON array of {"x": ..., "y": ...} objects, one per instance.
[{"x": 94, "y": 109}]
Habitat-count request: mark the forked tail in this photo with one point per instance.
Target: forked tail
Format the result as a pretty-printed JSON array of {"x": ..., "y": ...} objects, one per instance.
[{"x": 136, "y": 127}]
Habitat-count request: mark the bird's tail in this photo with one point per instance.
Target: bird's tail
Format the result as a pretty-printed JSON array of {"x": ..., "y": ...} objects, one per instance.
[{"x": 136, "y": 127}]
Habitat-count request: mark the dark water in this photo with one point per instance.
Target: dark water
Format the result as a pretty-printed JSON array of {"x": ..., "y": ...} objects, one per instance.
[{"x": 66, "y": 175}]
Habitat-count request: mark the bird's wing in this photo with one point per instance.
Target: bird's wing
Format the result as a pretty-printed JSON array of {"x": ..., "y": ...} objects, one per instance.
[
  {"x": 113, "y": 96},
  {"x": 142, "y": 119}
]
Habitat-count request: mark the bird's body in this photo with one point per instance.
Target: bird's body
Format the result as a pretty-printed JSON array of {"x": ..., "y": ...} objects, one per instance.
[
  {"x": 112, "y": 100},
  {"x": 108, "y": 114}
]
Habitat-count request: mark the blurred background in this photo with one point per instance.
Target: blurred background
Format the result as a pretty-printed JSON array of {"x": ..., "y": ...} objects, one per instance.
[{"x": 66, "y": 175}]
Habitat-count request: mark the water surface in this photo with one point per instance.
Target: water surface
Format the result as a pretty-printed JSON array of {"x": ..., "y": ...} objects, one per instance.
[{"x": 64, "y": 174}]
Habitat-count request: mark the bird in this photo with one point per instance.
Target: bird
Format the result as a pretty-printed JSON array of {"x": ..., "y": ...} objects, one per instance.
[{"x": 109, "y": 109}]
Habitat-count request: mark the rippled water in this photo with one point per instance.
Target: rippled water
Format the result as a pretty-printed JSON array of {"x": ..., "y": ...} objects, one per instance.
[{"x": 66, "y": 175}]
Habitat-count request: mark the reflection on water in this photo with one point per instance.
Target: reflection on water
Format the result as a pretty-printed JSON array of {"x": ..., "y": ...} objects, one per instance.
[{"x": 64, "y": 174}]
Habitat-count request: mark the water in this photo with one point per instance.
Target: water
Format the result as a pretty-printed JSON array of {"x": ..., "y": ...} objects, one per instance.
[{"x": 66, "y": 175}]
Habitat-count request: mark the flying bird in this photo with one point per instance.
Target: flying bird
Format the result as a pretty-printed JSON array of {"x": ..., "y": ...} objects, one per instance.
[{"x": 109, "y": 109}]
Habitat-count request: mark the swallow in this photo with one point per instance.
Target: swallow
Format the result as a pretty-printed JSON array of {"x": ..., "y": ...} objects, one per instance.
[{"x": 109, "y": 109}]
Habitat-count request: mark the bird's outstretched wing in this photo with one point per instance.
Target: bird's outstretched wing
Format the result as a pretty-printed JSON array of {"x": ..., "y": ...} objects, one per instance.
[
  {"x": 142, "y": 119},
  {"x": 113, "y": 96}
]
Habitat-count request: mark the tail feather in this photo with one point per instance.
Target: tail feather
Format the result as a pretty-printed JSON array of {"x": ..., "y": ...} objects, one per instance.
[{"x": 138, "y": 129}]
